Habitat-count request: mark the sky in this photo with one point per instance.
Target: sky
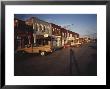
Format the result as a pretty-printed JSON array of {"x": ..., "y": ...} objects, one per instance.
[{"x": 84, "y": 24}]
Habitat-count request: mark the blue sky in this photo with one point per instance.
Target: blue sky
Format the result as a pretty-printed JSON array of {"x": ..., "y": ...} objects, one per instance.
[{"x": 84, "y": 24}]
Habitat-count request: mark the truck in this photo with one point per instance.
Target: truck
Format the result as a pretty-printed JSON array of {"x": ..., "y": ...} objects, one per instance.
[{"x": 42, "y": 46}]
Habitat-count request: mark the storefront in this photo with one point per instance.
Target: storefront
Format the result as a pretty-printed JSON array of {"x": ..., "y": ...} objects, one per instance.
[{"x": 23, "y": 35}]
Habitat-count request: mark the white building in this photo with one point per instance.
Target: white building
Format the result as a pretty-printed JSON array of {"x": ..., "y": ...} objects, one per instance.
[{"x": 41, "y": 28}]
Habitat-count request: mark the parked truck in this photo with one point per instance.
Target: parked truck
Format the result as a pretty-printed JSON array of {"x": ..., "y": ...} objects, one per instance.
[{"x": 42, "y": 46}]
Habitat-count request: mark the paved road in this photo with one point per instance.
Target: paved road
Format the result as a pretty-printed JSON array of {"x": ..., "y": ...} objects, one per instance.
[
  {"x": 60, "y": 63},
  {"x": 86, "y": 60}
]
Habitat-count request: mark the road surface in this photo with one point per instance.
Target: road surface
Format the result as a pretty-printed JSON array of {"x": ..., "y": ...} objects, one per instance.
[{"x": 80, "y": 61}]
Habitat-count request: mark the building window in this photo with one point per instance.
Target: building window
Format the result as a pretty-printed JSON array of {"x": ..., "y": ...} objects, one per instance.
[
  {"x": 44, "y": 28},
  {"x": 62, "y": 34},
  {"x": 53, "y": 29},
  {"x": 37, "y": 27},
  {"x": 48, "y": 29},
  {"x": 40, "y": 27},
  {"x": 58, "y": 31},
  {"x": 68, "y": 34},
  {"x": 65, "y": 34},
  {"x": 75, "y": 36}
]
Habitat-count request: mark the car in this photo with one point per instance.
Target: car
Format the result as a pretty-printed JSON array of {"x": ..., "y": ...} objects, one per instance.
[{"x": 66, "y": 46}]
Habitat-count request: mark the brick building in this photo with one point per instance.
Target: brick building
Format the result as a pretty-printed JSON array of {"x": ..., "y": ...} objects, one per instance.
[
  {"x": 56, "y": 33},
  {"x": 34, "y": 29},
  {"x": 23, "y": 34}
]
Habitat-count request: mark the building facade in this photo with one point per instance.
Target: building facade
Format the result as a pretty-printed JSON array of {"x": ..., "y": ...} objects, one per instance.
[
  {"x": 64, "y": 36},
  {"x": 23, "y": 34},
  {"x": 33, "y": 30},
  {"x": 56, "y": 33},
  {"x": 41, "y": 28}
]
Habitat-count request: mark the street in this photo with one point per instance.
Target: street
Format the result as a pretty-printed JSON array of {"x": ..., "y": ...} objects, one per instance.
[{"x": 70, "y": 61}]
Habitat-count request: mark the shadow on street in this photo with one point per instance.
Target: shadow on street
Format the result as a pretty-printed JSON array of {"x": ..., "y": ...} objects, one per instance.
[
  {"x": 73, "y": 61},
  {"x": 80, "y": 61}
]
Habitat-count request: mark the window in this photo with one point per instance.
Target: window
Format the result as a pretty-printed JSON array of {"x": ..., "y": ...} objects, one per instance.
[
  {"x": 44, "y": 28},
  {"x": 53, "y": 29},
  {"x": 65, "y": 34},
  {"x": 40, "y": 42},
  {"x": 62, "y": 34},
  {"x": 37, "y": 27},
  {"x": 40, "y": 27},
  {"x": 68, "y": 34},
  {"x": 16, "y": 21}
]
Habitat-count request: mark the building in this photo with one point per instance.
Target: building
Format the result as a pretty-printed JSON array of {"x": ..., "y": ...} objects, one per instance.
[
  {"x": 56, "y": 33},
  {"x": 76, "y": 35},
  {"x": 69, "y": 36},
  {"x": 63, "y": 36},
  {"x": 23, "y": 34},
  {"x": 42, "y": 29},
  {"x": 33, "y": 31}
]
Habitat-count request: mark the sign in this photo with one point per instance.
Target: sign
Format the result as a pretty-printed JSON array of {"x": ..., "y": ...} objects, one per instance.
[{"x": 45, "y": 35}]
